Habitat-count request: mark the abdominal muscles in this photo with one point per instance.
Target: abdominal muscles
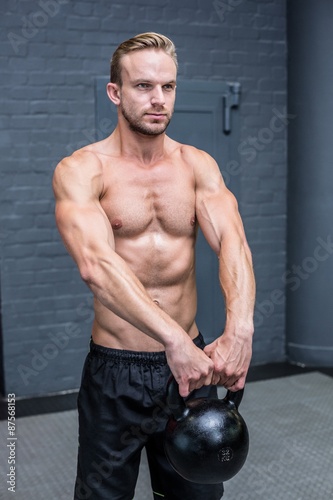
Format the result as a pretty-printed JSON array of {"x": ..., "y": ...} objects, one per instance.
[{"x": 165, "y": 265}]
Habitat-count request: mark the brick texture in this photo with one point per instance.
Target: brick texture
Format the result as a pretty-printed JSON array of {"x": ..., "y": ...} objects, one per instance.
[{"x": 50, "y": 53}]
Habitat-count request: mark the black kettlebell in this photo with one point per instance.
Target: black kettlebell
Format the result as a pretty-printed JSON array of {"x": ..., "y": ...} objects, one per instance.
[{"x": 206, "y": 440}]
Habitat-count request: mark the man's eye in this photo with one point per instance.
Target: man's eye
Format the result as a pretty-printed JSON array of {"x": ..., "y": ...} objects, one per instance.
[
  {"x": 169, "y": 87},
  {"x": 143, "y": 85}
]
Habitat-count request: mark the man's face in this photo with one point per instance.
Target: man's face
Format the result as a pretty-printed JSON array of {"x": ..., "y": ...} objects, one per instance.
[{"x": 147, "y": 94}]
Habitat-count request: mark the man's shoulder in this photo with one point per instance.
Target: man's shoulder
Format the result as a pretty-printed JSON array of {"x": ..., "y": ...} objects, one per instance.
[
  {"x": 204, "y": 167},
  {"x": 81, "y": 170},
  {"x": 84, "y": 161},
  {"x": 199, "y": 160},
  {"x": 190, "y": 153}
]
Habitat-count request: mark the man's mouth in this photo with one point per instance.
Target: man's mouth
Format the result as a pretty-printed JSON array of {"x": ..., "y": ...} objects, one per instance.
[{"x": 156, "y": 116}]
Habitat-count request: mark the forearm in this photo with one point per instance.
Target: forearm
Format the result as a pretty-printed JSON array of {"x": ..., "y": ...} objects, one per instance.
[
  {"x": 238, "y": 286},
  {"x": 232, "y": 351},
  {"x": 117, "y": 288}
]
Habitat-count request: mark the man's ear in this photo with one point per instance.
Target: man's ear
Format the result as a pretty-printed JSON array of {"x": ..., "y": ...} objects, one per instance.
[{"x": 113, "y": 92}]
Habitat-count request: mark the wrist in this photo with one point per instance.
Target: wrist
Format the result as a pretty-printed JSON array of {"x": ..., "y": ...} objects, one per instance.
[
  {"x": 239, "y": 329},
  {"x": 174, "y": 340}
]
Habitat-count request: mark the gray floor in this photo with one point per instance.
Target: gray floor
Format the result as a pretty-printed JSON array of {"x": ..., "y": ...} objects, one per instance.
[{"x": 291, "y": 453}]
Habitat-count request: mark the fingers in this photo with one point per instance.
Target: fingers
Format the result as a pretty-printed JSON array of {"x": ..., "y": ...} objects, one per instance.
[
  {"x": 190, "y": 366},
  {"x": 216, "y": 379},
  {"x": 196, "y": 382},
  {"x": 231, "y": 364},
  {"x": 184, "y": 389},
  {"x": 214, "y": 366},
  {"x": 233, "y": 383}
]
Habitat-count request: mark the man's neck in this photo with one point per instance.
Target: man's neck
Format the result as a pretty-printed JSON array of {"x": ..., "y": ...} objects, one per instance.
[{"x": 146, "y": 149}]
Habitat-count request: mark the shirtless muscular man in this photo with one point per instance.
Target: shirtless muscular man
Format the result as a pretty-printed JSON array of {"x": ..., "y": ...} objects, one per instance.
[{"x": 128, "y": 209}]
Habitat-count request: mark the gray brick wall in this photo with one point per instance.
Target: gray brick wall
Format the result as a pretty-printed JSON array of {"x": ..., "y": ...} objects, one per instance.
[{"x": 50, "y": 52}]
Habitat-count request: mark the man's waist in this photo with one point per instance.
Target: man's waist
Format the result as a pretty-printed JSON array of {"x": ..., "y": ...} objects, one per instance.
[{"x": 138, "y": 357}]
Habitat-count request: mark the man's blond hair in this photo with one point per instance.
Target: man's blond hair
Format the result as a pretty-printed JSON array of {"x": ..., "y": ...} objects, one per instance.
[{"x": 143, "y": 41}]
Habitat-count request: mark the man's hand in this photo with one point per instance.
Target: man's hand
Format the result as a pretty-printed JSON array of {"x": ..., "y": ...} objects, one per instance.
[
  {"x": 231, "y": 355},
  {"x": 190, "y": 366}
]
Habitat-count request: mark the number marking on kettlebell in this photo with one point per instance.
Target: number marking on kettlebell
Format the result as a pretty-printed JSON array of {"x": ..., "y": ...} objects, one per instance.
[{"x": 225, "y": 454}]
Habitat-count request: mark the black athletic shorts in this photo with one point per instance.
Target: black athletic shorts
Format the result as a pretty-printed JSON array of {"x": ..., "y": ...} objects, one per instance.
[{"x": 122, "y": 409}]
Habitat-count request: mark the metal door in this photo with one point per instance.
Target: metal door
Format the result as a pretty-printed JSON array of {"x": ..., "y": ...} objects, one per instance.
[{"x": 202, "y": 118}]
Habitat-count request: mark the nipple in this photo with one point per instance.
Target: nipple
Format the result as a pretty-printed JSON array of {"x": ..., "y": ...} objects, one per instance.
[
  {"x": 193, "y": 221},
  {"x": 156, "y": 302},
  {"x": 117, "y": 224}
]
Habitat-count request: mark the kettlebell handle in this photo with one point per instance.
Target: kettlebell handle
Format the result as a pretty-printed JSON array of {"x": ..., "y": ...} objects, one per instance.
[
  {"x": 177, "y": 406},
  {"x": 234, "y": 397},
  {"x": 175, "y": 402}
]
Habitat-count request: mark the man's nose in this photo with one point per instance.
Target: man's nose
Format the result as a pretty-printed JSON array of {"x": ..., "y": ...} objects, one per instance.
[{"x": 157, "y": 97}]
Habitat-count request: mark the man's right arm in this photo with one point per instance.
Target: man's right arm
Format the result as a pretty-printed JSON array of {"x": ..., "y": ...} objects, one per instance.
[{"x": 88, "y": 237}]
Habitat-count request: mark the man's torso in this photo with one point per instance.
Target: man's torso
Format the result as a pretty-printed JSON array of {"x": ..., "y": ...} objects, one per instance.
[{"x": 151, "y": 210}]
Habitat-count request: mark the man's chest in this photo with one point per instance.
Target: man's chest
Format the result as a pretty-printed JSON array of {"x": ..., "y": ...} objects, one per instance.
[{"x": 157, "y": 199}]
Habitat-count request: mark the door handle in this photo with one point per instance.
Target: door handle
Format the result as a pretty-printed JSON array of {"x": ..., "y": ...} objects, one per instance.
[{"x": 229, "y": 101}]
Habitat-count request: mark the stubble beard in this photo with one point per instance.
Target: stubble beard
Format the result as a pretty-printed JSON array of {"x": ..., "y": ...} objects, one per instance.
[{"x": 136, "y": 125}]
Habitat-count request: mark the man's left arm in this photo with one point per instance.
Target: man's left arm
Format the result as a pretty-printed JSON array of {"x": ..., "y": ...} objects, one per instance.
[{"x": 220, "y": 221}]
